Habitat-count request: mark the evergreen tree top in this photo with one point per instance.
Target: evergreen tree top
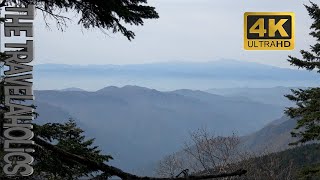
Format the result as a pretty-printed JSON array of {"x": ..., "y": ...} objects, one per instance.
[
  {"x": 311, "y": 59},
  {"x": 307, "y": 100},
  {"x": 103, "y": 14}
]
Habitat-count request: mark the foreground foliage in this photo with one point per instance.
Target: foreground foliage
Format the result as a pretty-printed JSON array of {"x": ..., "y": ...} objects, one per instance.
[
  {"x": 103, "y": 14},
  {"x": 308, "y": 100},
  {"x": 69, "y": 138},
  {"x": 210, "y": 154}
]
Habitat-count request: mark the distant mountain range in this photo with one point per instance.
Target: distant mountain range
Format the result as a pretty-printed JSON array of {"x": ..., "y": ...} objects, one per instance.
[
  {"x": 133, "y": 122},
  {"x": 130, "y": 122},
  {"x": 170, "y": 76},
  {"x": 72, "y": 89},
  {"x": 273, "y": 95}
]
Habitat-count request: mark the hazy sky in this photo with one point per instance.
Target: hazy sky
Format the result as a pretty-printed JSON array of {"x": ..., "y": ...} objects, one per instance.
[{"x": 188, "y": 30}]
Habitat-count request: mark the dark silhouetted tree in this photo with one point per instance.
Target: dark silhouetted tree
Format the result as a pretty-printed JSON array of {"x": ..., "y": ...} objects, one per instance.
[
  {"x": 103, "y": 14},
  {"x": 68, "y": 137},
  {"x": 307, "y": 100},
  {"x": 307, "y": 111}
]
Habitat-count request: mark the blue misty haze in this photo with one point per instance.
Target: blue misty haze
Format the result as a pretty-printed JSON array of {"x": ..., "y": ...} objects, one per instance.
[
  {"x": 171, "y": 75},
  {"x": 132, "y": 121}
]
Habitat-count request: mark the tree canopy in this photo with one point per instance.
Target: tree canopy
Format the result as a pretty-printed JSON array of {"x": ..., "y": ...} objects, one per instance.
[
  {"x": 307, "y": 100},
  {"x": 307, "y": 110},
  {"x": 69, "y": 138},
  {"x": 103, "y": 14}
]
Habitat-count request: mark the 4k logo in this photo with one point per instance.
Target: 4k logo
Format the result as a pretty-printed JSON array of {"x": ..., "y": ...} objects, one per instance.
[{"x": 269, "y": 31}]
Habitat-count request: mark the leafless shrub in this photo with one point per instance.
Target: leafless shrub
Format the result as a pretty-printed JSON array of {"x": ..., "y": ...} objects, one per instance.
[
  {"x": 170, "y": 166},
  {"x": 206, "y": 153}
]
